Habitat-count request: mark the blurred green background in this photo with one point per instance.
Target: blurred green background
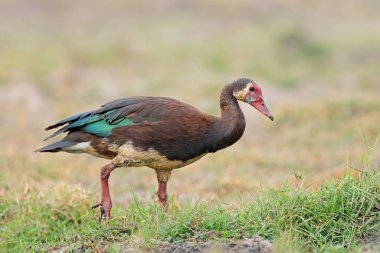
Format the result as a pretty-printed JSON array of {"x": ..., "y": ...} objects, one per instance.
[{"x": 318, "y": 63}]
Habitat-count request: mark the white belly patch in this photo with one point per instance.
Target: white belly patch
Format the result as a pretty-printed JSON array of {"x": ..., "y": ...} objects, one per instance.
[{"x": 129, "y": 156}]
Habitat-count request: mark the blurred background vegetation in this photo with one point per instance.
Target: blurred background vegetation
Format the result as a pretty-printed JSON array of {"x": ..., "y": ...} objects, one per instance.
[{"x": 317, "y": 62}]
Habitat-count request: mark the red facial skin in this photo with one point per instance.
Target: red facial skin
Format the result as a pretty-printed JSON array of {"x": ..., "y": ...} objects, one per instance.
[{"x": 256, "y": 99}]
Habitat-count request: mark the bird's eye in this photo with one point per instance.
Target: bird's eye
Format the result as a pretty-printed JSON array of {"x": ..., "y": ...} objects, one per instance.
[{"x": 251, "y": 88}]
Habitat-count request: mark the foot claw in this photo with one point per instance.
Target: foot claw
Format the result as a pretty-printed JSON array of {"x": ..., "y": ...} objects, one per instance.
[
  {"x": 97, "y": 205},
  {"x": 103, "y": 215}
]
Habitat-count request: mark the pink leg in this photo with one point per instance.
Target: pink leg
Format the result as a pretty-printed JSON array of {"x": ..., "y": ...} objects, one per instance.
[
  {"x": 106, "y": 203},
  {"x": 162, "y": 177},
  {"x": 162, "y": 194}
]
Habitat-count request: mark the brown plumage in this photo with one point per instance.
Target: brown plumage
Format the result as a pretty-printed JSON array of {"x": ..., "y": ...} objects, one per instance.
[{"x": 161, "y": 133}]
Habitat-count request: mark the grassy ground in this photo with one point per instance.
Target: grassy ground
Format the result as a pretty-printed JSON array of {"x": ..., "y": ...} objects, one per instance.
[
  {"x": 337, "y": 217},
  {"x": 317, "y": 63}
]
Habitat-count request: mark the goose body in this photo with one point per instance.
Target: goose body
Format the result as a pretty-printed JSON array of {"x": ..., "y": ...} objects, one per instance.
[{"x": 157, "y": 132}]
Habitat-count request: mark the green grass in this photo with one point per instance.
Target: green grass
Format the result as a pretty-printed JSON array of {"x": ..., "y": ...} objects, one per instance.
[{"x": 334, "y": 218}]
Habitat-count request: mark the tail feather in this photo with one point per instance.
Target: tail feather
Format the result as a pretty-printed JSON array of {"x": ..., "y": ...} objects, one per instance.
[
  {"x": 56, "y": 147},
  {"x": 69, "y": 120}
]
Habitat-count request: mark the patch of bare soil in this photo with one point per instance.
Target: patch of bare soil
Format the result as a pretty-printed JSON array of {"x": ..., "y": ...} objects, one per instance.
[
  {"x": 371, "y": 245},
  {"x": 247, "y": 245}
]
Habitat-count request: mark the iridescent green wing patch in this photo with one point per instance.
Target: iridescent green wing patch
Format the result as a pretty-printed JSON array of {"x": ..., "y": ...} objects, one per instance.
[{"x": 103, "y": 129}]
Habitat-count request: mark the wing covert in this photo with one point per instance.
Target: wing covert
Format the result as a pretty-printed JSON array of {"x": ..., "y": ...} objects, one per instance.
[{"x": 117, "y": 113}]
